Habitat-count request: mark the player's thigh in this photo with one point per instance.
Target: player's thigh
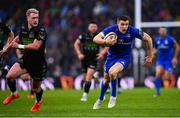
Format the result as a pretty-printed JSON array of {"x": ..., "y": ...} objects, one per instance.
[
  {"x": 89, "y": 74},
  {"x": 159, "y": 71},
  {"x": 15, "y": 71},
  {"x": 115, "y": 70}
]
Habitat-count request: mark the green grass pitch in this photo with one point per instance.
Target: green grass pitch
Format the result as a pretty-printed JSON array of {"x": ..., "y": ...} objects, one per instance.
[{"x": 138, "y": 102}]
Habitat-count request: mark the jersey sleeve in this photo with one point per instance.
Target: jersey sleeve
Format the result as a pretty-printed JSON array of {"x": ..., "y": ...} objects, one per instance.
[
  {"x": 137, "y": 33},
  {"x": 108, "y": 30},
  {"x": 80, "y": 37},
  {"x": 41, "y": 34},
  {"x": 6, "y": 30}
]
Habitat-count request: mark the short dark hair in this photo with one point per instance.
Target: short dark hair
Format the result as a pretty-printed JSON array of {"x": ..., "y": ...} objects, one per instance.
[
  {"x": 163, "y": 27},
  {"x": 92, "y": 22},
  {"x": 123, "y": 17}
]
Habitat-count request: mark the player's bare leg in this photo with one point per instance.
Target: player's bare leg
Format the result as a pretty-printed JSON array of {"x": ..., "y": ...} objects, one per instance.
[
  {"x": 113, "y": 74},
  {"x": 38, "y": 91},
  {"x": 14, "y": 72},
  {"x": 167, "y": 78},
  {"x": 87, "y": 85}
]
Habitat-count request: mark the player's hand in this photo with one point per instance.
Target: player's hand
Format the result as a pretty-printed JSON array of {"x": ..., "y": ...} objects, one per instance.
[
  {"x": 148, "y": 61},
  {"x": 81, "y": 56},
  {"x": 110, "y": 42},
  {"x": 3, "y": 52},
  {"x": 100, "y": 56},
  {"x": 14, "y": 44},
  {"x": 174, "y": 62}
]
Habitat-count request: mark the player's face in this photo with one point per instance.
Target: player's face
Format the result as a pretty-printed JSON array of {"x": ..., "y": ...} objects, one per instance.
[
  {"x": 123, "y": 26},
  {"x": 162, "y": 32},
  {"x": 33, "y": 19},
  {"x": 92, "y": 28}
]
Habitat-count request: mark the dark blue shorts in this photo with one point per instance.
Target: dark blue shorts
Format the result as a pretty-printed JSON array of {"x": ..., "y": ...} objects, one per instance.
[
  {"x": 110, "y": 62},
  {"x": 167, "y": 65}
]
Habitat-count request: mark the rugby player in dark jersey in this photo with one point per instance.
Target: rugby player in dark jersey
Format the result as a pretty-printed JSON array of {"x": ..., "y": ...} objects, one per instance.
[
  {"x": 89, "y": 53},
  {"x": 31, "y": 39},
  {"x": 6, "y": 36}
]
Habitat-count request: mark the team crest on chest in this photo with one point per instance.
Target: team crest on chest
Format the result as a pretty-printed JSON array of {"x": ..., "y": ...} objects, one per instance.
[{"x": 166, "y": 42}]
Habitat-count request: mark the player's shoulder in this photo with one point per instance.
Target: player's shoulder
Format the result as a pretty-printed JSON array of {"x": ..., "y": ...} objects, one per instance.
[
  {"x": 170, "y": 37},
  {"x": 115, "y": 26},
  {"x": 41, "y": 28},
  {"x": 82, "y": 35},
  {"x": 131, "y": 28},
  {"x": 24, "y": 26}
]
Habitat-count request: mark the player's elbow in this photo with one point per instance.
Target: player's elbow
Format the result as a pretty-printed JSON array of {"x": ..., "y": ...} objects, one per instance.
[
  {"x": 147, "y": 38},
  {"x": 11, "y": 35}
]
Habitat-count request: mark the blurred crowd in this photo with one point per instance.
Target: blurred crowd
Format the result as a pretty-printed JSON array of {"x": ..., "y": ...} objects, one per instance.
[{"x": 66, "y": 19}]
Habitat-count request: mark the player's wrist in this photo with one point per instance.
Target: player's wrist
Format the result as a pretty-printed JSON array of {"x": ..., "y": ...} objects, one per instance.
[
  {"x": 105, "y": 42},
  {"x": 174, "y": 57},
  {"x": 20, "y": 46}
]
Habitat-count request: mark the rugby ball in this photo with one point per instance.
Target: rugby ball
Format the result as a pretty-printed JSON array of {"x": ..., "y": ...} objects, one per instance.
[{"x": 111, "y": 36}]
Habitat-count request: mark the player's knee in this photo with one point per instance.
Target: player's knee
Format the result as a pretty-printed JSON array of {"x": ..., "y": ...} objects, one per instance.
[
  {"x": 36, "y": 90},
  {"x": 113, "y": 74},
  {"x": 158, "y": 74},
  {"x": 89, "y": 77},
  {"x": 9, "y": 77},
  {"x": 106, "y": 81}
]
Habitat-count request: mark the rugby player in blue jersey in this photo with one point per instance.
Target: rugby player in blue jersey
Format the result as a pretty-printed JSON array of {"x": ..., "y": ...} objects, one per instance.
[
  {"x": 168, "y": 50},
  {"x": 119, "y": 54}
]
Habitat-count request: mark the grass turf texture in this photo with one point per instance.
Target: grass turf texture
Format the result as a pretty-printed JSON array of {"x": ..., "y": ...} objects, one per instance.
[{"x": 138, "y": 102}]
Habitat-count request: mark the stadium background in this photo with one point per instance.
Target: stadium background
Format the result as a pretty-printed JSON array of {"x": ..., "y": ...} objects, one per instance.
[{"x": 66, "y": 19}]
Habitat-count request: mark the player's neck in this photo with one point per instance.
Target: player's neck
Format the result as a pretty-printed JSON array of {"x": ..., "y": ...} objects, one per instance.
[
  {"x": 163, "y": 36},
  {"x": 29, "y": 26}
]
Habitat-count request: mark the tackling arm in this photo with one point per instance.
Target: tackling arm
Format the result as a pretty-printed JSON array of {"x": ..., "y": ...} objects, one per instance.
[
  {"x": 10, "y": 39},
  {"x": 34, "y": 46}
]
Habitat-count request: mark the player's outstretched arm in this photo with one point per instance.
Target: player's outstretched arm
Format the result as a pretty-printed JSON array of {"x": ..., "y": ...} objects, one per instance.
[
  {"x": 33, "y": 46},
  {"x": 148, "y": 40},
  {"x": 176, "y": 53},
  {"x": 8, "y": 44},
  {"x": 10, "y": 39}
]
